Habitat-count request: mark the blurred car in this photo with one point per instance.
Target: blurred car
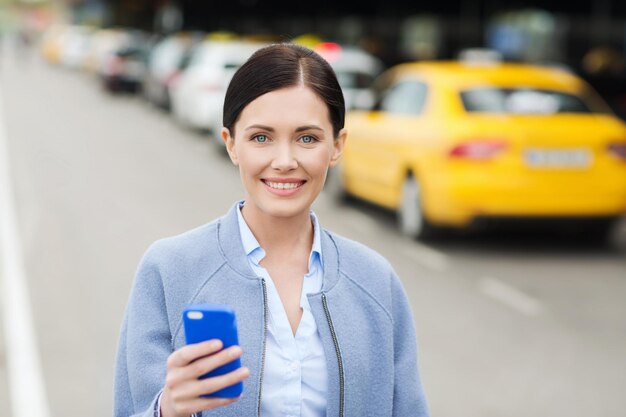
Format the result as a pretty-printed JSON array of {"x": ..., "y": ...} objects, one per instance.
[
  {"x": 123, "y": 61},
  {"x": 75, "y": 43},
  {"x": 452, "y": 143},
  {"x": 356, "y": 71},
  {"x": 123, "y": 69},
  {"x": 103, "y": 43},
  {"x": 165, "y": 62},
  {"x": 197, "y": 95},
  {"x": 50, "y": 44}
]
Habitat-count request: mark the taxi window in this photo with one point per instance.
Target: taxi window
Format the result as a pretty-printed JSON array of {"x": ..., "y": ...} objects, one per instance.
[
  {"x": 523, "y": 101},
  {"x": 405, "y": 97}
]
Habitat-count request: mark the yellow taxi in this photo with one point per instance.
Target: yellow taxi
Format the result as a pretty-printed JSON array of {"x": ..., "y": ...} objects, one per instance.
[
  {"x": 50, "y": 46},
  {"x": 449, "y": 143}
]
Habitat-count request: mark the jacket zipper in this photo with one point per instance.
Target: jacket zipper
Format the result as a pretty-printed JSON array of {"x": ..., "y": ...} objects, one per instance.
[
  {"x": 338, "y": 352},
  {"x": 265, "y": 314}
]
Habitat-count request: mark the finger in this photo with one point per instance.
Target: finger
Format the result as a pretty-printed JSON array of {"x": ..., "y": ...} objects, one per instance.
[
  {"x": 216, "y": 383},
  {"x": 214, "y": 361},
  {"x": 200, "y": 404},
  {"x": 189, "y": 353},
  {"x": 183, "y": 392},
  {"x": 176, "y": 376},
  {"x": 187, "y": 390}
]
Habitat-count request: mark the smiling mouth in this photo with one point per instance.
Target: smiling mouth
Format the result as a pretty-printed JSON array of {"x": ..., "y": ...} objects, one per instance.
[{"x": 284, "y": 185}]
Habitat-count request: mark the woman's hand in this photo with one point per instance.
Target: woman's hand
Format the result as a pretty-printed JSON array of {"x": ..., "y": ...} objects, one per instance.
[{"x": 181, "y": 395}]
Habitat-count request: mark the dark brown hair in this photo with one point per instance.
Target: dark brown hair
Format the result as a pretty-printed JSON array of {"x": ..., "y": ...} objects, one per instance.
[{"x": 281, "y": 66}]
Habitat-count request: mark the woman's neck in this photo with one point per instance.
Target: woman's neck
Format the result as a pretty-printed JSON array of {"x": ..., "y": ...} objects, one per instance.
[{"x": 279, "y": 234}]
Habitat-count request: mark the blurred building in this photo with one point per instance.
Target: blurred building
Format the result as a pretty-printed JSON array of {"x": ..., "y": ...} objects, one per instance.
[
  {"x": 524, "y": 29},
  {"x": 588, "y": 37}
]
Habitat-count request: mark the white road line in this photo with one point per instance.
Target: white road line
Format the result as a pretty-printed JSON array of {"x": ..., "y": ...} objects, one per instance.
[
  {"x": 26, "y": 383},
  {"x": 427, "y": 256},
  {"x": 510, "y": 296}
]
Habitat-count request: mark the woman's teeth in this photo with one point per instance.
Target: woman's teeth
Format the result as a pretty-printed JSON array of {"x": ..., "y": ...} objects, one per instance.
[{"x": 284, "y": 185}]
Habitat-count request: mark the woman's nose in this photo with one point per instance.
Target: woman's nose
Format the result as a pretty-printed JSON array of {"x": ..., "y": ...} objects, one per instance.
[{"x": 284, "y": 158}]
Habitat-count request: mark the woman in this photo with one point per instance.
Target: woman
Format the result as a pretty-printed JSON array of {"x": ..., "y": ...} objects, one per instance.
[{"x": 325, "y": 328}]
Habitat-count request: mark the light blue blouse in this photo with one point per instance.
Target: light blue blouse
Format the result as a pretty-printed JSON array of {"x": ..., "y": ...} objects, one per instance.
[{"x": 295, "y": 378}]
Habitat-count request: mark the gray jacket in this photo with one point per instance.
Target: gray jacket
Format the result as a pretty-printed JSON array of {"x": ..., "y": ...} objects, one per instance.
[{"x": 362, "y": 314}]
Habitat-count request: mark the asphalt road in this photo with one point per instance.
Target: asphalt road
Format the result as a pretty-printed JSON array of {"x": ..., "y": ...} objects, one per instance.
[{"x": 509, "y": 323}]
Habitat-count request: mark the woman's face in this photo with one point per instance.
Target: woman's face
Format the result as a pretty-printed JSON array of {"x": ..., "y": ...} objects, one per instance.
[{"x": 283, "y": 146}]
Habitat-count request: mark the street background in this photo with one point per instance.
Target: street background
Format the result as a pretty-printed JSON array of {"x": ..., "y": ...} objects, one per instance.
[
  {"x": 509, "y": 322},
  {"x": 97, "y": 178}
]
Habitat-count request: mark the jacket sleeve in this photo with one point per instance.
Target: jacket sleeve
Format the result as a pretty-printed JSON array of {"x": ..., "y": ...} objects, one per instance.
[
  {"x": 408, "y": 393},
  {"x": 144, "y": 345}
]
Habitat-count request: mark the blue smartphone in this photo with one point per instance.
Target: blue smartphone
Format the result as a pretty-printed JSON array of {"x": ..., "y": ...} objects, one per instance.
[{"x": 214, "y": 321}]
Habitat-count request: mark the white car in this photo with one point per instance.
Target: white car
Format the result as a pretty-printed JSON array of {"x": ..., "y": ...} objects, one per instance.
[
  {"x": 165, "y": 61},
  {"x": 356, "y": 71},
  {"x": 197, "y": 95},
  {"x": 104, "y": 43},
  {"x": 75, "y": 43}
]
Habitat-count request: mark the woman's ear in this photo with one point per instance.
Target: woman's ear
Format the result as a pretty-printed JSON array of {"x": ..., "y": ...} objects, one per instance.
[
  {"x": 229, "y": 141},
  {"x": 338, "y": 145}
]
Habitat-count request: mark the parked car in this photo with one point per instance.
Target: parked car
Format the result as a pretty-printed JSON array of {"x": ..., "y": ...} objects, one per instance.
[
  {"x": 451, "y": 143},
  {"x": 166, "y": 60},
  {"x": 51, "y": 42},
  {"x": 123, "y": 70},
  {"x": 197, "y": 95},
  {"x": 75, "y": 43},
  {"x": 105, "y": 42},
  {"x": 356, "y": 71}
]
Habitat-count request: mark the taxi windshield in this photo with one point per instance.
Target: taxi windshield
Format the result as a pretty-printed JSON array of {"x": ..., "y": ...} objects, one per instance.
[{"x": 524, "y": 101}]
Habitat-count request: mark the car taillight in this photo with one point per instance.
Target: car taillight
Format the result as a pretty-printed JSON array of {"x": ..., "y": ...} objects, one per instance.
[
  {"x": 330, "y": 51},
  {"x": 479, "y": 149},
  {"x": 618, "y": 149},
  {"x": 172, "y": 77},
  {"x": 114, "y": 65}
]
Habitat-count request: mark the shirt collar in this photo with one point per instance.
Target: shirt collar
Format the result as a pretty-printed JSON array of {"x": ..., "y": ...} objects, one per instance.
[{"x": 253, "y": 249}]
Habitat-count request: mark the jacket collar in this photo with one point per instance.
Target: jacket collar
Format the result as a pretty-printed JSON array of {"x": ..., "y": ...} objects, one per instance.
[{"x": 232, "y": 249}]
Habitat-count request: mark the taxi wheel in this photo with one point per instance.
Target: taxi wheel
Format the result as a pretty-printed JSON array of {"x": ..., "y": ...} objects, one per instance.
[
  {"x": 411, "y": 219},
  {"x": 334, "y": 186}
]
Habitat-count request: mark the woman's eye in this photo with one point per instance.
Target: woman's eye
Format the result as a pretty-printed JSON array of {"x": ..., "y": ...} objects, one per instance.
[
  {"x": 308, "y": 139},
  {"x": 260, "y": 138}
]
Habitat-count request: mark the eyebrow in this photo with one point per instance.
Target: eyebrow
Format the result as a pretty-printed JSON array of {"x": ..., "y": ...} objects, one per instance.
[
  {"x": 262, "y": 127},
  {"x": 271, "y": 129},
  {"x": 308, "y": 127}
]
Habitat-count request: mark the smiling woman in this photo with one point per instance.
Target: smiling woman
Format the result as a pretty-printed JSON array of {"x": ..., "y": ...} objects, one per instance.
[
  {"x": 325, "y": 328},
  {"x": 283, "y": 162}
]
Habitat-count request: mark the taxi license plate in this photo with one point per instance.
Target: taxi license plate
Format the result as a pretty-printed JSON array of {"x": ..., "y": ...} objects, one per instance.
[{"x": 558, "y": 158}]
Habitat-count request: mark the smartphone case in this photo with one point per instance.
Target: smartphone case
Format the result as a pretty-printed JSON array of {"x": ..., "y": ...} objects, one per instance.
[{"x": 214, "y": 321}]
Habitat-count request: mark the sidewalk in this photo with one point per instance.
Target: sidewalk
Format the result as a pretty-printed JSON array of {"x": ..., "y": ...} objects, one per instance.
[{"x": 4, "y": 388}]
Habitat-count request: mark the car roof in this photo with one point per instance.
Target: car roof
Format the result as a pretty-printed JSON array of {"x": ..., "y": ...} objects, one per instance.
[
  {"x": 462, "y": 75},
  {"x": 211, "y": 52}
]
